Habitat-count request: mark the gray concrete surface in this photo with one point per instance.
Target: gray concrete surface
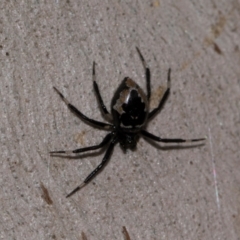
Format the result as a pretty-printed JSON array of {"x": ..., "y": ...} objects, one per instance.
[{"x": 157, "y": 193}]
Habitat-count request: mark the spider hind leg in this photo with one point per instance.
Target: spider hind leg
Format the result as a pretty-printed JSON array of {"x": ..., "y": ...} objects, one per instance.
[
  {"x": 104, "y": 110},
  {"x": 88, "y": 120}
]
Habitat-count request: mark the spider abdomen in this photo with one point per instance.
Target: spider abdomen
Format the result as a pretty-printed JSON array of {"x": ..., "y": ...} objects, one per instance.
[{"x": 129, "y": 106}]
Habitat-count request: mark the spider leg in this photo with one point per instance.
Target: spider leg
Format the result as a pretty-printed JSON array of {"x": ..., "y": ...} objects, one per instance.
[
  {"x": 163, "y": 99},
  {"x": 169, "y": 140},
  {"x": 97, "y": 169},
  {"x": 104, "y": 142},
  {"x": 104, "y": 110},
  {"x": 147, "y": 73},
  {"x": 93, "y": 122}
]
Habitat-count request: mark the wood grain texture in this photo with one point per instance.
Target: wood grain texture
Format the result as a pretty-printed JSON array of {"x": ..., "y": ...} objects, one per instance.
[{"x": 189, "y": 193}]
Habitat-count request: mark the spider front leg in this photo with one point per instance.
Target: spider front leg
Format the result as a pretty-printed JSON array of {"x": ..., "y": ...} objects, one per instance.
[
  {"x": 147, "y": 73},
  {"x": 95, "y": 123},
  {"x": 169, "y": 140},
  {"x": 164, "y": 98},
  {"x": 80, "y": 150},
  {"x": 104, "y": 110},
  {"x": 97, "y": 169}
]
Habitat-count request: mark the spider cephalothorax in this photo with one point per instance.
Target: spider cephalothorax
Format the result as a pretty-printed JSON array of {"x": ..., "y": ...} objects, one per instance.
[{"x": 129, "y": 116}]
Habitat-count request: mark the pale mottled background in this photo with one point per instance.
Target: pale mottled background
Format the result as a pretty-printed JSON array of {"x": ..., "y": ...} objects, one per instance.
[{"x": 189, "y": 193}]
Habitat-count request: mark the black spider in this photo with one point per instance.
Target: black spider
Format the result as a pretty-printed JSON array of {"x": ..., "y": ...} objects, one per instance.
[{"x": 129, "y": 116}]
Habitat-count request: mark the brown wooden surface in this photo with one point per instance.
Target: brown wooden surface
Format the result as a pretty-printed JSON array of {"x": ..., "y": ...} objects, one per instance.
[{"x": 189, "y": 193}]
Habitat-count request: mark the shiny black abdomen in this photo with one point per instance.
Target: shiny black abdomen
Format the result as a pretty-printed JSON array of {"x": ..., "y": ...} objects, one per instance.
[{"x": 129, "y": 106}]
